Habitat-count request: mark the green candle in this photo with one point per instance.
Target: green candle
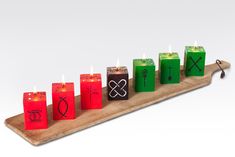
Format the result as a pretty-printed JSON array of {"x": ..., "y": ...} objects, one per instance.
[
  {"x": 143, "y": 75},
  {"x": 194, "y": 60},
  {"x": 169, "y": 68}
]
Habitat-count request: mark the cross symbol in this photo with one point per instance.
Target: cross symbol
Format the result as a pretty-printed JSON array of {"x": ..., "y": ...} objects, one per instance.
[
  {"x": 195, "y": 64},
  {"x": 144, "y": 73},
  {"x": 92, "y": 91}
]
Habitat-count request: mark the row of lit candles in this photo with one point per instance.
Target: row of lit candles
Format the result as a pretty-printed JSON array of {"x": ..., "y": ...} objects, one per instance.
[{"x": 63, "y": 100}]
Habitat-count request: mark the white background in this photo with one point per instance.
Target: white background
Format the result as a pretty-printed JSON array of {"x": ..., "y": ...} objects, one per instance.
[{"x": 41, "y": 40}]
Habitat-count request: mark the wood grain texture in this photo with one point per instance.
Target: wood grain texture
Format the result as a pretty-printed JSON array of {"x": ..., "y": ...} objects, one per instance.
[{"x": 111, "y": 109}]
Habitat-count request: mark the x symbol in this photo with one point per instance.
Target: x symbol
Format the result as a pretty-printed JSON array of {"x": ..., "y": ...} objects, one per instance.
[
  {"x": 118, "y": 88},
  {"x": 195, "y": 64}
]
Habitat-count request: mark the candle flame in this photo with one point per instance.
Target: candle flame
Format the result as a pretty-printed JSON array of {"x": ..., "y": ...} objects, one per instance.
[
  {"x": 143, "y": 56},
  {"x": 118, "y": 63},
  {"x": 63, "y": 79},
  {"x": 34, "y": 90},
  {"x": 195, "y": 44},
  {"x": 169, "y": 49},
  {"x": 91, "y": 70}
]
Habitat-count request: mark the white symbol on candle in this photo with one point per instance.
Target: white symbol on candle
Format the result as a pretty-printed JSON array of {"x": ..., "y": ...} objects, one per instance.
[{"x": 114, "y": 93}]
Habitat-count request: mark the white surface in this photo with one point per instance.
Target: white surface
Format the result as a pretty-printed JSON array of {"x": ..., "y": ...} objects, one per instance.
[{"x": 40, "y": 41}]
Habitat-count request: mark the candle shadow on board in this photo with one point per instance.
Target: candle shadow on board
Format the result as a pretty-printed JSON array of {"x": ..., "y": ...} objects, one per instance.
[
  {"x": 182, "y": 76},
  {"x": 131, "y": 89},
  {"x": 159, "y": 89},
  {"x": 79, "y": 111},
  {"x": 51, "y": 122},
  {"x": 158, "y": 85}
]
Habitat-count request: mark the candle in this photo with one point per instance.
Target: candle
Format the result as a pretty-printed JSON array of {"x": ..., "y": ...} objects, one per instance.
[
  {"x": 35, "y": 110},
  {"x": 63, "y": 101},
  {"x": 117, "y": 82},
  {"x": 91, "y": 90},
  {"x": 143, "y": 74},
  {"x": 169, "y": 67},
  {"x": 194, "y": 60}
]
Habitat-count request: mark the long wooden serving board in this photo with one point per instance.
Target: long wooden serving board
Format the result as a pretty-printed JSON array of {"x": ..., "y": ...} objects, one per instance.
[{"x": 111, "y": 109}]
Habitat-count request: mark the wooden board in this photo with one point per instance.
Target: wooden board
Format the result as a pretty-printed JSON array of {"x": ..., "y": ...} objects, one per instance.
[{"x": 111, "y": 109}]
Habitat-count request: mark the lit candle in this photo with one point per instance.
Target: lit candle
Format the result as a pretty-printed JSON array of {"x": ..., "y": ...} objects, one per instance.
[
  {"x": 117, "y": 82},
  {"x": 194, "y": 60},
  {"x": 169, "y": 67},
  {"x": 91, "y": 90},
  {"x": 35, "y": 110},
  {"x": 144, "y": 74},
  {"x": 63, "y": 101}
]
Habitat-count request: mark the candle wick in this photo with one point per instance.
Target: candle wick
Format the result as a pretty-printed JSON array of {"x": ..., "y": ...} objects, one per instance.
[
  {"x": 195, "y": 46},
  {"x": 91, "y": 71},
  {"x": 35, "y": 96},
  {"x": 117, "y": 68},
  {"x": 118, "y": 63},
  {"x": 170, "y": 49},
  {"x": 63, "y": 79},
  {"x": 35, "y": 91}
]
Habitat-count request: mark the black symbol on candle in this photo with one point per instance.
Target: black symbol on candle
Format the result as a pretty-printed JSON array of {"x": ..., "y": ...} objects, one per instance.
[
  {"x": 195, "y": 63},
  {"x": 35, "y": 115},
  {"x": 169, "y": 73},
  {"x": 92, "y": 91},
  {"x": 144, "y": 73},
  {"x": 63, "y": 106}
]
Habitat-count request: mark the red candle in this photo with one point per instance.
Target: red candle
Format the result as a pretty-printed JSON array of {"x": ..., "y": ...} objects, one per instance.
[
  {"x": 35, "y": 110},
  {"x": 63, "y": 101},
  {"x": 91, "y": 91}
]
